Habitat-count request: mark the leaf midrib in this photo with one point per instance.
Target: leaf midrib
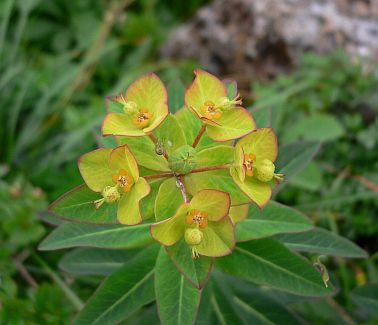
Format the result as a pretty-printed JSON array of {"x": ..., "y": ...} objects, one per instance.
[
  {"x": 125, "y": 296},
  {"x": 89, "y": 235},
  {"x": 329, "y": 249},
  {"x": 277, "y": 267},
  {"x": 253, "y": 311}
]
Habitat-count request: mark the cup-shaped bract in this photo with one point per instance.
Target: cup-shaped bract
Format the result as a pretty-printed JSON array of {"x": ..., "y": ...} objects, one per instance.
[
  {"x": 141, "y": 110},
  {"x": 204, "y": 223},
  {"x": 225, "y": 119},
  {"x": 254, "y": 168},
  {"x": 115, "y": 174}
]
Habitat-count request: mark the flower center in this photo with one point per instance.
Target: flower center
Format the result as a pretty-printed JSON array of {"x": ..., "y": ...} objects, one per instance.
[
  {"x": 210, "y": 111},
  {"x": 249, "y": 161},
  {"x": 123, "y": 180},
  {"x": 143, "y": 117},
  {"x": 197, "y": 218}
]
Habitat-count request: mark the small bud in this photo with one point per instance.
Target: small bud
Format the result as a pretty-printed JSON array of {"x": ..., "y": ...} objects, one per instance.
[
  {"x": 264, "y": 170},
  {"x": 183, "y": 160},
  {"x": 193, "y": 236},
  {"x": 110, "y": 194},
  {"x": 130, "y": 108}
]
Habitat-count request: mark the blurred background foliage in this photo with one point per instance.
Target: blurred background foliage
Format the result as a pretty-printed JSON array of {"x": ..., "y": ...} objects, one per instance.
[{"x": 59, "y": 59}]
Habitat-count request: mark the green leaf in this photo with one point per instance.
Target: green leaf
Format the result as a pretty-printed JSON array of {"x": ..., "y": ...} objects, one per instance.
[
  {"x": 232, "y": 88},
  {"x": 367, "y": 297},
  {"x": 144, "y": 151},
  {"x": 77, "y": 205},
  {"x": 215, "y": 156},
  {"x": 217, "y": 179},
  {"x": 316, "y": 127},
  {"x": 293, "y": 158},
  {"x": 110, "y": 236},
  {"x": 177, "y": 299},
  {"x": 249, "y": 304},
  {"x": 322, "y": 241},
  {"x": 168, "y": 199},
  {"x": 176, "y": 93},
  {"x": 262, "y": 117},
  {"x": 268, "y": 262},
  {"x": 310, "y": 178},
  {"x": 92, "y": 261},
  {"x": 275, "y": 218},
  {"x": 123, "y": 292},
  {"x": 171, "y": 134},
  {"x": 148, "y": 203},
  {"x": 197, "y": 271}
]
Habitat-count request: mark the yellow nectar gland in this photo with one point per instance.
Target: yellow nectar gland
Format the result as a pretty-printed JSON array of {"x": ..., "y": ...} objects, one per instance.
[
  {"x": 249, "y": 161},
  {"x": 143, "y": 117},
  {"x": 210, "y": 111},
  {"x": 198, "y": 218},
  {"x": 123, "y": 180}
]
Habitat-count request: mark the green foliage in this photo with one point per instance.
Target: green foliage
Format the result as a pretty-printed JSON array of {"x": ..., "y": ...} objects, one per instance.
[{"x": 52, "y": 87}]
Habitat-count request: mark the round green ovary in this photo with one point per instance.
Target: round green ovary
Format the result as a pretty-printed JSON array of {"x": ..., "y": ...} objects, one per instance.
[
  {"x": 264, "y": 170},
  {"x": 193, "y": 236}
]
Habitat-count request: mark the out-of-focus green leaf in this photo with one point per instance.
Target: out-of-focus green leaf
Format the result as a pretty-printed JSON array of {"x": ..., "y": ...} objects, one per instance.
[
  {"x": 316, "y": 127},
  {"x": 367, "y": 297},
  {"x": 94, "y": 261},
  {"x": 176, "y": 93}
]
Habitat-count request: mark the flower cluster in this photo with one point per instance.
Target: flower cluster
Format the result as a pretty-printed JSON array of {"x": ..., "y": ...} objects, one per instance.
[{"x": 193, "y": 172}]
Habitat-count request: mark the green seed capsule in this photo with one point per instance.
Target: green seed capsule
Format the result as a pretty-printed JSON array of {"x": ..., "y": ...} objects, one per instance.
[
  {"x": 110, "y": 194},
  {"x": 264, "y": 171},
  {"x": 193, "y": 236},
  {"x": 183, "y": 160}
]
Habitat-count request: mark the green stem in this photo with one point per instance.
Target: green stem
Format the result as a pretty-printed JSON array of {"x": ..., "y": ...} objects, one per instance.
[{"x": 71, "y": 296}]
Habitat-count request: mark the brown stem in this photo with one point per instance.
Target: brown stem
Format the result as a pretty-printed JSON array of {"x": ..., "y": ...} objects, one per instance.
[
  {"x": 199, "y": 135},
  {"x": 205, "y": 169},
  {"x": 153, "y": 138},
  {"x": 161, "y": 175},
  {"x": 181, "y": 184},
  {"x": 18, "y": 261}
]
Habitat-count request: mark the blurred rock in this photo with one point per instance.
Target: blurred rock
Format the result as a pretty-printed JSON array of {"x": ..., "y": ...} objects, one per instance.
[{"x": 249, "y": 38}]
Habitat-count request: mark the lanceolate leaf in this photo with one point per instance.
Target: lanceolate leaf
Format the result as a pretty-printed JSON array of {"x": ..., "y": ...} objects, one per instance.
[
  {"x": 275, "y": 218},
  {"x": 176, "y": 92},
  {"x": 249, "y": 304},
  {"x": 123, "y": 292},
  {"x": 322, "y": 241},
  {"x": 177, "y": 299},
  {"x": 367, "y": 297},
  {"x": 111, "y": 236},
  {"x": 90, "y": 261},
  {"x": 77, "y": 205},
  {"x": 267, "y": 262},
  {"x": 197, "y": 271}
]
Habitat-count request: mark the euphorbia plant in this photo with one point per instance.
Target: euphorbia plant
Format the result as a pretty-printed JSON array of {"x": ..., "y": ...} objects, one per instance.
[{"x": 187, "y": 186}]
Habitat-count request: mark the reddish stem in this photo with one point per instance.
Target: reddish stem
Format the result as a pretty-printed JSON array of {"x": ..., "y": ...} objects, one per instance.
[
  {"x": 184, "y": 192},
  {"x": 162, "y": 175},
  {"x": 205, "y": 169},
  {"x": 153, "y": 138},
  {"x": 199, "y": 135}
]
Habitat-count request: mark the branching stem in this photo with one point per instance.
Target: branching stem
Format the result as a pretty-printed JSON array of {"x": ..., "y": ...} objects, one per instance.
[{"x": 199, "y": 135}]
